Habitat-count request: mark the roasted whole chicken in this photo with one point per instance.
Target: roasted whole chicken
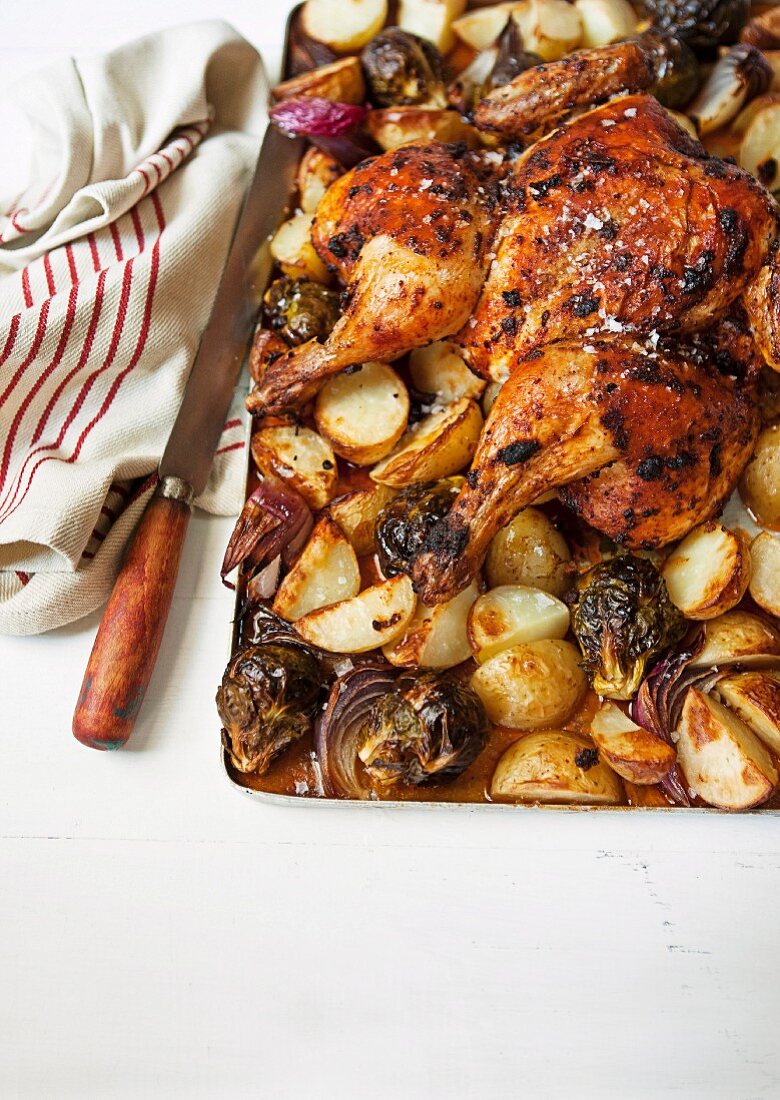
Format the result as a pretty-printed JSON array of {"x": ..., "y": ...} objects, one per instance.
[{"x": 621, "y": 283}]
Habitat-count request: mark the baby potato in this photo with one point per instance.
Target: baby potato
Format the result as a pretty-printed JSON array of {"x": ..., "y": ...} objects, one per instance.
[
  {"x": 532, "y": 685},
  {"x": 363, "y": 414},
  {"x": 431, "y": 19},
  {"x": 440, "y": 445},
  {"x": 765, "y": 578},
  {"x": 554, "y": 766},
  {"x": 529, "y": 551},
  {"x": 316, "y": 173},
  {"x": 439, "y": 369},
  {"x": 481, "y": 27},
  {"x": 301, "y": 457},
  {"x": 291, "y": 247},
  {"x": 344, "y": 25},
  {"x": 550, "y": 28},
  {"x": 635, "y": 753},
  {"x": 755, "y": 697},
  {"x": 760, "y": 484},
  {"x": 759, "y": 152},
  {"x": 738, "y": 637},
  {"x": 435, "y": 636},
  {"x": 326, "y": 571},
  {"x": 605, "y": 21},
  {"x": 511, "y": 614},
  {"x": 489, "y": 396},
  {"x": 356, "y": 514},
  {"x": 708, "y": 573},
  {"x": 394, "y": 126},
  {"x": 341, "y": 81},
  {"x": 367, "y": 621}
]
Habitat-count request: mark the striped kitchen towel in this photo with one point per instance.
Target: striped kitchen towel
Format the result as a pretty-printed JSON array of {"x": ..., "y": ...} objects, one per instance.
[{"x": 109, "y": 263}]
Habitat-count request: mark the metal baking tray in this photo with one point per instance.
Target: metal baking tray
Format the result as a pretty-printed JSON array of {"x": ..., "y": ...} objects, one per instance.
[{"x": 267, "y": 162}]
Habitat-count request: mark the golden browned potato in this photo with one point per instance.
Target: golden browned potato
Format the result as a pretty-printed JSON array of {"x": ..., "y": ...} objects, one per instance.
[
  {"x": 291, "y": 247},
  {"x": 550, "y": 28},
  {"x": 394, "y": 126},
  {"x": 344, "y": 25},
  {"x": 367, "y": 621},
  {"x": 738, "y": 637},
  {"x": 439, "y": 369},
  {"x": 511, "y": 614},
  {"x": 341, "y": 81},
  {"x": 326, "y": 571},
  {"x": 363, "y": 414},
  {"x": 431, "y": 19},
  {"x": 708, "y": 573},
  {"x": 605, "y": 21},
  {"x": 760, "y": 484},
  {"x": 435, "y": 636},
  {"x": 356, "y": 515},
  {"x": 441, "y": 444},
  {"x": 316, "y": 173},
  {"x": 723, "y": 760},
  {"x": 634, "y": 753},
  {"x": 765, "y": 577},
  {"x": 759, "y": 152},
  {"x": 481, "y": 27},
  {"x": 755, "y": 697},
  {"x": 554, "y": 766},
  {"x": 530, "y": 551},
  {"x": 301, "y": 457},
  {"x": 532, "y": 685}
]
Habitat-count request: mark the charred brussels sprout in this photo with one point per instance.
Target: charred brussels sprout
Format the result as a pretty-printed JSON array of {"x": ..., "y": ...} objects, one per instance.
[
  {"x": 677, "y": 71},
  {"x": 403, "y": 69},
  {"x": 703, "y": 24},
  {"x": 428, "y": 728},
  {"x": 622, "y": 616},
  {"x": 266, "y": 701},
  {"x": 300, "y": 310},
  {"x": 403, "y": 527}
]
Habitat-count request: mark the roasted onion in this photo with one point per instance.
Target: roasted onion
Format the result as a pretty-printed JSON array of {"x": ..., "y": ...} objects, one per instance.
[
  {"x": 332, "y": 127},
  {"x": 274, "y": 521}
]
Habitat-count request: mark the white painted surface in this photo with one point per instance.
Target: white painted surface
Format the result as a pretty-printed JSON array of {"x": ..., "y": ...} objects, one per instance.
[{"x": 162, "y": 936}]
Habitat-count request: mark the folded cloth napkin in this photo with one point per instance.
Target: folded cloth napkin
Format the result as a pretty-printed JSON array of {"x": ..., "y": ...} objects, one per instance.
[{"x": 109, "y": 263}]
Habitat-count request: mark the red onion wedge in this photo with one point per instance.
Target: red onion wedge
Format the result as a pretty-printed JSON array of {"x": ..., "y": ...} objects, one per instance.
[
  {"x": 274, "y": 521},
  {"x": 337, "y": 730},
  {"x": 332, "y": 127}
]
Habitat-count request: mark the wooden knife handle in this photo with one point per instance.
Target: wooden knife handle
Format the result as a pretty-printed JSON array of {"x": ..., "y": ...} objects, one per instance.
[{"x": 128, "y": 639}]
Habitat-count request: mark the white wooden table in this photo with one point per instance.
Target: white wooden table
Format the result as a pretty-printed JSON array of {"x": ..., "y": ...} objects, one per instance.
[{"x": 160, "y": 935}]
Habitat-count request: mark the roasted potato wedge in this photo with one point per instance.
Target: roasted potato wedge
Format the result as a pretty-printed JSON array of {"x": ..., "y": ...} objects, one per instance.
[
  {"x": 316, "y": 173},
  {"x": 723, "y": 760},
  {"x": 633, "y": 752},
  {"x": 530, "y": 551},
  {"x": 605, "y": 21},
  {"x": 326, "y": 572},
  {"x": 367, "y": 621},
  {"x": 356, "y": 514},
  {"x": 554, "y": 766},
  {"x": 344, "y": 25},
  {"x": 291, "y": 247},
  {"x": 435, "y": 636},
  {"x": 755, "y": 697},
  {"x": 739, "y": 637},
  {"x": 441, "y": 444},
  {"x": 439, "y": 369},
  {"x": 481, "y": 27},
  {"x": 532, "y": 685},
  {"x": 760, "y": 483},
  {"x": 765, "y": 576},
  {"x": 301, "y": 457},
  {"x": 342, "y": 81},
  {"x": 550, "y": 28},
  {"x": 759, "y": 152},
  {"x": 363, "y": 414},
  {"x": 511, "y": 614},
  {"x": 431, "y": 19},
  {"x": 708, "y": 573},
  {"x": 394, "y": 126}
]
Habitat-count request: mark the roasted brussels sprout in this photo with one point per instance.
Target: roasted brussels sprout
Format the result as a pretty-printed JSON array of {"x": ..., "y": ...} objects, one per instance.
[
  {"x": 622, "y": 616},
  {"x": 428, "y": 728},
  {"x": 703, "y": 24},
  {"x": 403, "y": 69},
  {"x": 677, "y": 71},
  {"x": 300, "y": 310},
  {"x": 404, "y": 525},
  {"x": 266, "y": 701}
]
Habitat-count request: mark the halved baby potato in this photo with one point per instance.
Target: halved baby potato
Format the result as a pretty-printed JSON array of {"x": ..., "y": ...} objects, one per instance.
[
  {"x": 440, "y": 445},
  {"x": 529, "y": 551},
  {"x": 439, "y": 369},
  {"x": 481, "y": 27},
  {"x": 554, "y": 766},
  {"x": 550, "y": 28},
  {"x": 708, "y": 573},
  {"x": 765, "y": 576},
  {"x": 489, "y": 396},
  {"x": 341, "y": 81},
  {"x": 760, "y": 483},
  {"x": 431, "y": 19},
  {"x": 723, "y": 760},
  {"x": 291, "y": 247},
  {"x": 511, "y": 614},
  {"x": 605, "y": 21},
  {"x": 435, "y": 636},
  {"x": 316, "y": 172},
  {"x": 739, "y": 637},
  {"x": 356, "y": 515},
  {"x": 301, "y": 457},
  {"x": 370, "y": 620},
  {"x": 394, "y": 126},
  {"x": 344, "y": 25},
  {"x": 326, "y": 572},
  {"x": 363, "y": 414},
  {"x": 759, "y": 152},
  {"x": 532, "y": 685},
  {"x": 633, "y": 752},
  {"x": 755, "y": 697}
]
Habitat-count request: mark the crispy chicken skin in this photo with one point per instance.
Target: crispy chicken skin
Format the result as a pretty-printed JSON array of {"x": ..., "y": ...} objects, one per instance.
[
  {"x": 407, "y": 233},
  {"x": 617, "y": 223},
  {"x": 538, "y": 99},
  {"x": 670, "y": 431}
]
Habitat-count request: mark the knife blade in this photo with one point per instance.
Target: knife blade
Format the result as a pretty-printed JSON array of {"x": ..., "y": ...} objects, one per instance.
[{"x": 131, "y": 630}]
